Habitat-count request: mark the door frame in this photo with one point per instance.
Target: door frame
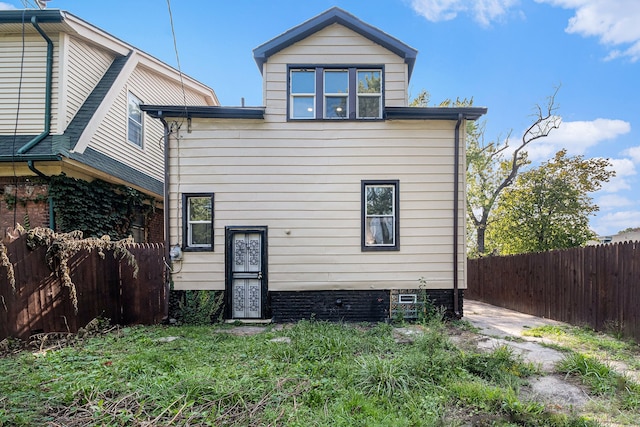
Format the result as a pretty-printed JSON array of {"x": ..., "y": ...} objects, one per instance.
[{"x": 229, "y": 232}]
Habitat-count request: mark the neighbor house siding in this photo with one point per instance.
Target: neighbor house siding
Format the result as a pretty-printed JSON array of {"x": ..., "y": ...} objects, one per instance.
[
  {"x": 303, "y": 181},
  {"x": 86, "y": 64},
  {"x": 332, "y": 45},
  {"x": 111, "y": 136},
  {"x": 23, "y": 83}
]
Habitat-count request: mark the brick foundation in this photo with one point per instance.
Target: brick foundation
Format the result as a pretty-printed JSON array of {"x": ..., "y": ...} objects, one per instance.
[{"x": 350, "y": 306}]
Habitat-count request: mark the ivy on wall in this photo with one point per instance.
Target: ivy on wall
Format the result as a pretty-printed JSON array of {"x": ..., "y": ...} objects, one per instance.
[{"x": 96, "y": 208}]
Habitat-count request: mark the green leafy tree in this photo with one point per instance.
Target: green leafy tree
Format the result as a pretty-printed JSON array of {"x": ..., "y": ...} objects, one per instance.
[
  {"x": 490, "y": 170},
  {"x": 548, "y": 207}
]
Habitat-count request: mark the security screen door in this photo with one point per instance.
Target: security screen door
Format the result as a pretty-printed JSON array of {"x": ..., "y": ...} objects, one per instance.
[{"x": 246, "y": 271}]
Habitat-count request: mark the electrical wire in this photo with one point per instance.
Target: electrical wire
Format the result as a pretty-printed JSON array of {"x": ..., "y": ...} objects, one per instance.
[
  {"x": 17, "y": 121},
  {"x": 176, "y": 126},
  {"x": 175, "y": 48}
]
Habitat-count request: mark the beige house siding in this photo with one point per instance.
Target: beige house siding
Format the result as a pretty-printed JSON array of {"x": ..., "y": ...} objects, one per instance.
[
  {"x": 333, "y": 45},
  {"x": 110, "y": 137},
  {"x": 303, "y": 181},
  {"x": 86, "y": 64},
  {"x": 32, "y": 81}
]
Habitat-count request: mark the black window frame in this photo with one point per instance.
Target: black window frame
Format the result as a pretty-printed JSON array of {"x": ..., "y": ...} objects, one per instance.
[
  {"x": 319, "y": 91},
  {"x": 185, "y": 222},
  {"x": 363, "y": 214}
]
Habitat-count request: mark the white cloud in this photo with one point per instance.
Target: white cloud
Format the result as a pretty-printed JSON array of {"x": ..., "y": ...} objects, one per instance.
[
  {"x": 6, "y": 6},
  {"x": 483, "y": 11},
  {"x": 624, "y": 169},
  {"x": 614, "y": 22},
  {"x": 577, "y": 137},
  {"x": 634, "y": 153},
  {"x": 613, "y": 201},
  {"x": 611, "y": 223}
]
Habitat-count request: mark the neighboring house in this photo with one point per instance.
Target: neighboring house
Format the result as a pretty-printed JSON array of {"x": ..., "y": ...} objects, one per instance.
[
  {"x": 332, "y": 200},
  {"x": 70, "y": 105},
  {"x": 625, "y": 236}
]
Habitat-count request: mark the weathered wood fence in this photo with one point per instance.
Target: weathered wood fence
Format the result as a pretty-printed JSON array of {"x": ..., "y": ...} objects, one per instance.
[
  {"x": 105, "y": 287},
  {"x": 596, "y": 286}
]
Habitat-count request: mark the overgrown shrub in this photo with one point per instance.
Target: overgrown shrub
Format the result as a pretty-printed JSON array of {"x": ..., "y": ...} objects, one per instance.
[{"x": 196, "y": 307}]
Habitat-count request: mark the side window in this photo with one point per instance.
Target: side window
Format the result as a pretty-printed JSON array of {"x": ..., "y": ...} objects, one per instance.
[
  {"x": 380, "y": 215},
  {"x": 134, "y": 126},
  {"x": 197, "y": 222}
]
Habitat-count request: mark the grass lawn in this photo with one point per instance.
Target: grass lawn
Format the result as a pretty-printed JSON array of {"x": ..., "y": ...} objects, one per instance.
[{"x": 306, "y": 374}]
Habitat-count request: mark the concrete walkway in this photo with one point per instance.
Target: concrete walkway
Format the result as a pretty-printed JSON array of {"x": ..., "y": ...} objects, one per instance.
[{"x": 501, "y": 326}]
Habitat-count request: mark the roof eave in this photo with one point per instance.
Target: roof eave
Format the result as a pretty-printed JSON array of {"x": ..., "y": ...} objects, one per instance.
[
  {"x": 24, "y": 15},
  {"x": 433, "y": 113},
  {"x": 334, "y": 15},
  {"x": 207, "y": 112}
]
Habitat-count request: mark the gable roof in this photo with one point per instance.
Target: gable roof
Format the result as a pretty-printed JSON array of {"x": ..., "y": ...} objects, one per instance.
[{"x": 332, "y": 16}]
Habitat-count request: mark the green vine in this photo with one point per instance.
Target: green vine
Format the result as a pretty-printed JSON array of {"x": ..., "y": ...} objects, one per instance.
[{"x": 97, "y": 208}]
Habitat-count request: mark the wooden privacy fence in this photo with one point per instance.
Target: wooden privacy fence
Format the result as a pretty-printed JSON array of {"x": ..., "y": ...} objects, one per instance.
[
  {"x": 598, "y": 286},
  {"x": 105, "y": 287}
]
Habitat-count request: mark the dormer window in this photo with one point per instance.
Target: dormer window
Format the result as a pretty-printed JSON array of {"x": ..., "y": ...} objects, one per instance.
[{"x": 328, "y": 93}]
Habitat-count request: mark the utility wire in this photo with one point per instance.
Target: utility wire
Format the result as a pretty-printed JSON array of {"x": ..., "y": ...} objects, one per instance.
[
  {"x": 175, "y": 48},
  {"x": 17, "y": 121}
]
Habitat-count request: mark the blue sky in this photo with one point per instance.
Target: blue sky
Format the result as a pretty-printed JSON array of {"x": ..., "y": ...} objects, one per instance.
[{"x": 509, "y": 55}]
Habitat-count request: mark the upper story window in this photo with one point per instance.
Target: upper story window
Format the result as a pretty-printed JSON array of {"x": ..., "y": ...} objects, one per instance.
[
  {"x": 335, "y": 93},
  {"x": 134, "y": 127}
]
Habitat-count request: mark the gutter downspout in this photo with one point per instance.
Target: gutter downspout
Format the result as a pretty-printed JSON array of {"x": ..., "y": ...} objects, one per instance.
[
  {"x": 167, "y": 248},
  {"x": 32, "y": 167},
  {"x": 47, "y": 102},
  {"x": 456, "y": 181}
]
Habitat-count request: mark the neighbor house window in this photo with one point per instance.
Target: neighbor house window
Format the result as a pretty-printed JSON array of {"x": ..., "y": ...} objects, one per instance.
[
  {"x": 335, "y": 93},
  {"x": 134, "y": 127},
  {"x": 138, "y": 229},
  {"x": 380, "y": 220},
  {"x": 197, "y": 221}
]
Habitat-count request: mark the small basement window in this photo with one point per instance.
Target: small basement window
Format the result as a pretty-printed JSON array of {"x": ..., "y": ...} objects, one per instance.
[{"x": 407, "y": 299}]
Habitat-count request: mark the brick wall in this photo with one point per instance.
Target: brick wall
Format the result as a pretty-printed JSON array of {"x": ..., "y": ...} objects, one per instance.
[
  {"x": 155, "y": 227},
  {"x": 351, "y": 306},
  {"x": 32, "y": 207},
  {"x": 23, "y": 201}
]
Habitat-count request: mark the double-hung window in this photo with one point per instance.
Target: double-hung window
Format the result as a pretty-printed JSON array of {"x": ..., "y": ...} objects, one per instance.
[
  {"x": 303, "y": 94},
  {"x": 330, "y": 93},
  {"x": 369, "y": 101},
  {"x": 336, "y": 94},
  {"x": 134, "y": 114},
  {"x": 197, "y": 221},
  {"x": 380, "y": 219}
]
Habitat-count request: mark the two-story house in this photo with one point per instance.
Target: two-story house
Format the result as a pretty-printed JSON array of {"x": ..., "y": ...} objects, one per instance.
[
  {"x": 70, "y": 104},
  {"x": 335, "y": 200}
]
